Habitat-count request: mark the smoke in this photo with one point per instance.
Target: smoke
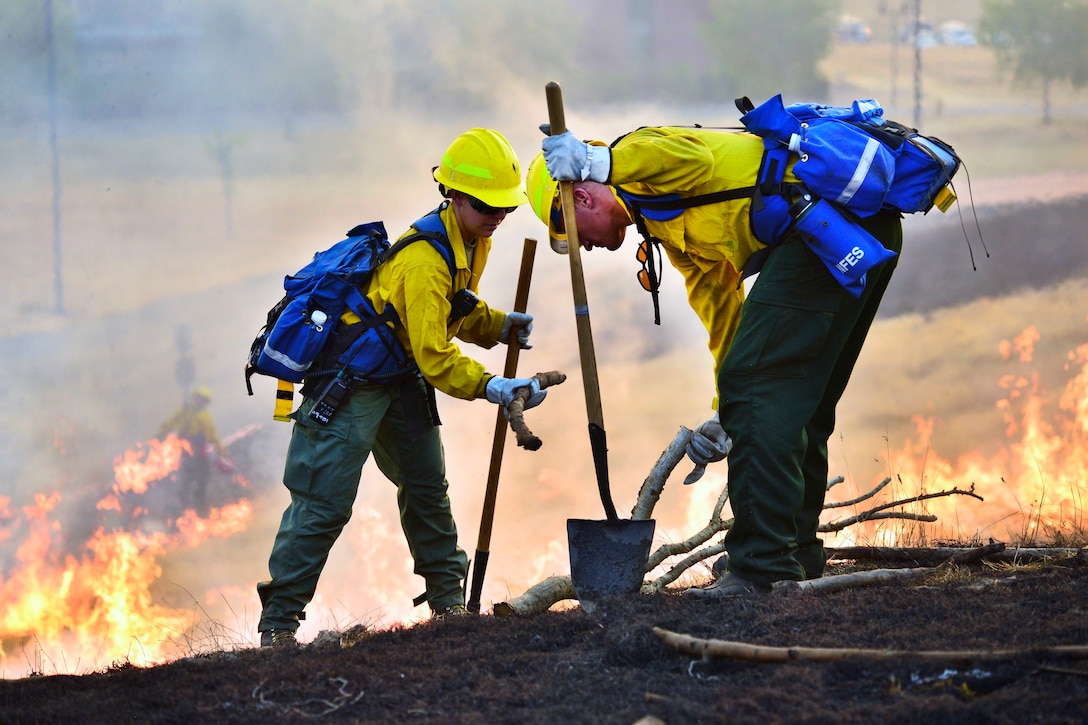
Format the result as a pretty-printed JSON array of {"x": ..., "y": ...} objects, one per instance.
[{"x": 183, "y": 210}]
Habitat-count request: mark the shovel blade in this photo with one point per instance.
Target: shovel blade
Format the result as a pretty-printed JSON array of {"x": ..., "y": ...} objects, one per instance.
[{"x": 608, "y": 558}]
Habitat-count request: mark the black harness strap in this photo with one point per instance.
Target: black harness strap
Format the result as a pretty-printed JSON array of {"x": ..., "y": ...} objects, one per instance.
[
  {"x": 686, "y": 202},
  {"x": 653, "y": 246}
]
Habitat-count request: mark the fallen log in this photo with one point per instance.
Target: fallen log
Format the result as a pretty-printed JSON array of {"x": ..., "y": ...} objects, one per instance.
[
  {"x": 695, "y": 549},
  {"x": 540, "y": 597},
  {"x": 716, "y": 648},
  {"x": 972, "y": 555},
  {"x": 838, "y": 582},
  {"x": 935, "y": 556},
  {"x": 537, "y": 598}
]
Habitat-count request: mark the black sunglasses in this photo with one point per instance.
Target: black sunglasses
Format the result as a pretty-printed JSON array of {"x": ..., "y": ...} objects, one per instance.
[{"x": 488, "y": 210}]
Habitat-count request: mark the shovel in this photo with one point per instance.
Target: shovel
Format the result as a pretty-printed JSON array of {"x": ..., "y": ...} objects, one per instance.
[{"x": 607, "y": 558}]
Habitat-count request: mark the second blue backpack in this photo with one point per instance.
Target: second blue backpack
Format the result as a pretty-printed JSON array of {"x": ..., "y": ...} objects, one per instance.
[{"x": 292, "y": 344}]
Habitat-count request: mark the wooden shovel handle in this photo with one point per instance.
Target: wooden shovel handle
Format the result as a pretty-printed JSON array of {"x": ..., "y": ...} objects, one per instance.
[{"x": 558, "y": 125}]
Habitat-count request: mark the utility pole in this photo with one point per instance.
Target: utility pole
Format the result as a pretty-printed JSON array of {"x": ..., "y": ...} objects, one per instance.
[
  {"x": 896, "y": 11},
  {"x": 895, "y": 58},
  {"x": 51, "y": 81},
  {"x": 917, "y": 64}
]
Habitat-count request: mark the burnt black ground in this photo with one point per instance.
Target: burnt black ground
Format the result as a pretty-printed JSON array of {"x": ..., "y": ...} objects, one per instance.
[{"x": 570, "y": 667}]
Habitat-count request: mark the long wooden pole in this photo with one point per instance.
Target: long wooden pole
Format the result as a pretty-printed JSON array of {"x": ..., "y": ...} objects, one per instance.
[
  {"x": 598, "y": 444},
  {"x": 521, "y": 303}
]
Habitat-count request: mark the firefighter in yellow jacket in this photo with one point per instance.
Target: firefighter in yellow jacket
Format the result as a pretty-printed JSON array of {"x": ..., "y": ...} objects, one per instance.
[
  {"x": 193, "y": 423},
  {"x": 783, "y": 356},
  {"x": 480, "y": 178}
]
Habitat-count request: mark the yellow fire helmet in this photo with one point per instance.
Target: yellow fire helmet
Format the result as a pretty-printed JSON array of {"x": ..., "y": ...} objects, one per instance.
[
  {"x": 481, "y": 163},
  {"x": 544, "y": 198},
  {"x": 543, "y": 193}
]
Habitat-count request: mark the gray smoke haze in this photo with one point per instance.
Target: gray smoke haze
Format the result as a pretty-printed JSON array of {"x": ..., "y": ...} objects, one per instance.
[{"x": 206, "y": 149}]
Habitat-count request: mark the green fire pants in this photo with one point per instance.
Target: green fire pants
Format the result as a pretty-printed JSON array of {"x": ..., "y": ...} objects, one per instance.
[
  {"x": 324, "y": 463},
  {"x": 799, "y": 336}
]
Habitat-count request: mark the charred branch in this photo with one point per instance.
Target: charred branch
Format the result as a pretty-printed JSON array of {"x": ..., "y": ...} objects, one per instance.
[
  {"x": 921, "y": 556},
  {"x": 849, "y": 581},
  {"x": 515, "y": 412},
  {"x": 859, "y": 499},
  {"x": 538, "y": 598},
  {"x": 716, "y": 648},
  {"x": 696, "y": 548},
  {"x": 654, "y": 484},
  {"x": 879, "y": 512}
]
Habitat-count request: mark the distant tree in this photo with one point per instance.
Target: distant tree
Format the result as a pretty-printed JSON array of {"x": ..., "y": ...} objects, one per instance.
[
  {"x": 771, "y": 46},
  {"x": 1043, "y": 41}
]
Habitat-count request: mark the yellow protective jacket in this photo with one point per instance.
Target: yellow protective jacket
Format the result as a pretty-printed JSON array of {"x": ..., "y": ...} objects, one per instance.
[
  {"x": 195, "y": 426},
  {"x": 707, "y": 244},
  {"x": 416, "y": 280}
]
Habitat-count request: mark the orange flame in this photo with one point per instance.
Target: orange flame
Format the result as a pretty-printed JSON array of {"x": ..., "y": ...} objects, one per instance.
[
  {"x": 1036, "y": 484},
  {"x": 94, "y": 606},
  {"x": 133, "y": 471}
]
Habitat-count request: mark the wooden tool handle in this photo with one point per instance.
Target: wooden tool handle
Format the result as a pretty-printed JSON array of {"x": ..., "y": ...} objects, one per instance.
[
  {"x": 521, "y": 303},
  {"x": 558, "y": 125}
]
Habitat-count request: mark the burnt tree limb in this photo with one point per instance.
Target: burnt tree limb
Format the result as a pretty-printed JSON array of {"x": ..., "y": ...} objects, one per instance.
[
  {"x": 515, "y": 412},
  {"x": 708, "y": 542}
]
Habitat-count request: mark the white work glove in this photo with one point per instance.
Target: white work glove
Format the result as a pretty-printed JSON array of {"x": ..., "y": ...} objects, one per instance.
[
  {"x": 501, "y": 391},
  {"x": 708, "y": 444},
  {"x": 523, "y": 322},
  {"x": 569, "y": 159}
]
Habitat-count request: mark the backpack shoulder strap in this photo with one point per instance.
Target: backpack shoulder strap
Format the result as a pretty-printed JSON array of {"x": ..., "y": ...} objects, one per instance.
[
  {"x": 770, "y": 182},
  {"x": 431, "y": 228},
  {"x": 678, "y": 203}
]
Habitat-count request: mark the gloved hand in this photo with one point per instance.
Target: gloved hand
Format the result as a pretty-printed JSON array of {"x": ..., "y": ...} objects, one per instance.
[
  {"x": 569, "y": 159},
  {"x": 709, "y": 443},
  {"x": 501, "y": 391},
  {"x": 523, "y": 322}
]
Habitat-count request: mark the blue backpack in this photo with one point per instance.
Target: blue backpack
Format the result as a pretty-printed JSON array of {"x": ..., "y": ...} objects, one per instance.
[
  {"x": 851, "y": 163},
  {"x": 855, "y": 158},
  {"x": 303, "y": 336}
]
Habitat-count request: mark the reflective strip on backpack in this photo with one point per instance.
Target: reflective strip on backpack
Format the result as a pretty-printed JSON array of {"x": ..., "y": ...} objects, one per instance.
[
  {"x": 860, "y": 172},
  {"x": 284, "y": 360}
]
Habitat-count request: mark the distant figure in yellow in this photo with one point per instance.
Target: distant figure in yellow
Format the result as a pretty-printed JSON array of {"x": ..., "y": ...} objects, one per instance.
[{"x": 193, "y": 422}]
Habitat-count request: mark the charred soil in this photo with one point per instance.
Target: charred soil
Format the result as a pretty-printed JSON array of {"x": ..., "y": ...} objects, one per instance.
[{"x": 613, "y": 667}]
